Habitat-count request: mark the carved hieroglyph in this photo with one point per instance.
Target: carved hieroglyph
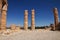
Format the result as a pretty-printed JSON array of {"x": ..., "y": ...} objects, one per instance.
[
  {"x": 33, "y": 20},
  {"x": 26, "y": 19}
]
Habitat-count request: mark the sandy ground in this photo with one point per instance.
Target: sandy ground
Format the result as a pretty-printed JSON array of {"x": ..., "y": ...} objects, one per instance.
[{"x": 32, "y": 35}]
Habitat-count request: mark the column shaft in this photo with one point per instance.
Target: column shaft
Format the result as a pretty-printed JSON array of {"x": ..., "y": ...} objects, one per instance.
[
  {"x": 0, "y": 12},
  {"x": 56, "y": 21},
  {"x": 33, "y": 20},
  {"x": 26, "y": 20},
  {"x": 3, "y": 20}
]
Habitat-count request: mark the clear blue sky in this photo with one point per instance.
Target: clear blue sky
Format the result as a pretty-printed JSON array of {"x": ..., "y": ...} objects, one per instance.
[{"x": 43, "y": 11}]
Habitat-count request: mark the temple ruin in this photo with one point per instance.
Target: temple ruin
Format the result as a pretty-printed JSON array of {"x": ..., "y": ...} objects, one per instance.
[{"x": 3, "y": 14}]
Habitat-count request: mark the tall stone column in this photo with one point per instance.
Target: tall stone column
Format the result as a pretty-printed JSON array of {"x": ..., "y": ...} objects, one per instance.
[
  {"x": 0, "y": 5},
  {"x": 56, "y": 21},
  {"x": 0, "y": 12},
  {"x": 33, "y": 20},
  {"x": 3, "y": 20},
  {"x": 0, "y": 19},
  {"x": 3, "y": 17},
  {"x": 3, "y": 9},
  {"x": 26, "y": 19}
]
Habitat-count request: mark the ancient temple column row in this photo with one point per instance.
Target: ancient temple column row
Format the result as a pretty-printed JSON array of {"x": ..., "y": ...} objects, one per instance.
[
  {"x": 56, "y": 19},
  {"x": 32, "y": 19}
]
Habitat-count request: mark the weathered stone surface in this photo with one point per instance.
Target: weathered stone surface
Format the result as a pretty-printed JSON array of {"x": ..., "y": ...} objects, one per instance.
[
  {"x": 3, "y": 13},
  {"x": 3, "y": 20},
  {"x": 26, "y": 20},
  {"x": 0, "y": 5},
  {"x": 33, "y": 20},
  {"x": 59, "y": 26},
  {"x": 56, "y": 21},
  {"x": 18, "y": 28},
  {"x": 52, "y": 27},
  {"x": 13, "y": 27}
]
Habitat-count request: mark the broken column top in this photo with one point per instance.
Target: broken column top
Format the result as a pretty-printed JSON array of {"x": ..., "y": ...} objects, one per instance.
[
  {"x": 26, "y": 10},
  {"x": 55, "y": 9},
  {"x": 33, "y": 10}
]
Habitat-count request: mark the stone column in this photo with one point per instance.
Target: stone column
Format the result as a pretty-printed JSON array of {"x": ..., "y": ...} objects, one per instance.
[
  {"x": 0, "y": 4},
  {"x": 0, "y": 12},
  {"x": 26, "y": 19},
  {"x": 33, "y": 20},
  {"x": 3, "y": 11},
  {"x": 3, "y": 17},
  {"x": 3, "y": 20},
  {"x": 0, "y": 19},
  {"x": 56, "y": 21}
]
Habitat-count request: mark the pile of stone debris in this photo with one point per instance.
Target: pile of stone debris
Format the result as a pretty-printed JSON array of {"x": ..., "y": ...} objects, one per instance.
[{"x": 9, "y": 32}]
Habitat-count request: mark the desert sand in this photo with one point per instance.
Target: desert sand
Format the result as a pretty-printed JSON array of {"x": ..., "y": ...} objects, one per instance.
[{"x": 38, "y": 34}]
